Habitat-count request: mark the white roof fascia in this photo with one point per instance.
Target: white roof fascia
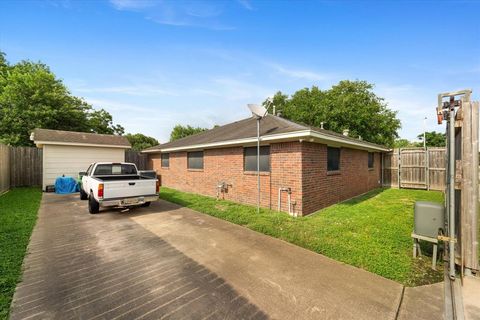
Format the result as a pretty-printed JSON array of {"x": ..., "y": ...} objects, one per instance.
[{"x": 81, "y": 144}]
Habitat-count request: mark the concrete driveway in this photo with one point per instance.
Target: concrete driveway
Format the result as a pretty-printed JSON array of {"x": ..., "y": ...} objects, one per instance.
[{"x": 171, "y": 262}]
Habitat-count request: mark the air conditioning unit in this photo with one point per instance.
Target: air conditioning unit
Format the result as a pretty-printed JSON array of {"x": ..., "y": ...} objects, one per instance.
[{"x": 429, "y": 218}]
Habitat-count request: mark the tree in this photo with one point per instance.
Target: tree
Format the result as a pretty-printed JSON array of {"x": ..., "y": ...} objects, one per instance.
[
  {"x": 140, "y": 141},
  {"x": 348, "y": 105},
  {"x": 3, "y": 64},
  {"x": 433, "y": 138},
  {"x": 403, "y": 143},
  {"x": 32, "y": 97},
  {"x": 100, "y": 121},
  {"x": 180, "y": 131}
]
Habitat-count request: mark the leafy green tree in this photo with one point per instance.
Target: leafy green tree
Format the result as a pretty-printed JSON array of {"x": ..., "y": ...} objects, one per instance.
[
  {"x": 3, "y": 64},
  {"x": 348, "y": 105},
  {"x": 32, "y": 97},
  {"x": 140, "y": 141},
  {"x": 403, "y": 143},
  {"x": 100, "y": 121},
  {"x": 433, "y": 138},
  {"x": 180, "y": 131}
]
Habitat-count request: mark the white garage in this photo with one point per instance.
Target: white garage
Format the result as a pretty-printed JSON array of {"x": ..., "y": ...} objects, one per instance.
[{"x": 68, "y": 152}]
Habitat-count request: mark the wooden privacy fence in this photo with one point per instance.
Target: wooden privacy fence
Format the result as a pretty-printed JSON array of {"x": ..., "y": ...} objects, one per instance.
[
  {"x": 26, "y": 166},
  {"x": 23, "y": 166},
  {"x": 140, "y": 159},
  {"x": 4, "y": 168},
  {"x": 414, "y": 168}
]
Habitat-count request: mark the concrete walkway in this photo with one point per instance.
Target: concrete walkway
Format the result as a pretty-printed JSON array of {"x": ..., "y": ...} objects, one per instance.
[{"x": 171, "y": 262}]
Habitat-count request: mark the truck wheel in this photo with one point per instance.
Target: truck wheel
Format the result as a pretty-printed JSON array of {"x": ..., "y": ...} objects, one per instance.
[
  {"x": 146, "y": 204},
  {"x": 83, "y": 194},
  {"x": 93, "y": 206}
]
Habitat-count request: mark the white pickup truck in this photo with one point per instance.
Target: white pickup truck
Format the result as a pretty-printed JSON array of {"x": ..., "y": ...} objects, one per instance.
[{"x": 108, "y": 184}]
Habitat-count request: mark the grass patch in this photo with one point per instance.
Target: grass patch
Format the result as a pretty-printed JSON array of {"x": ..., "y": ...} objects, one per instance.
[
  {"x": 371, "y": 231},
  {"x": 18, "y": 213}
]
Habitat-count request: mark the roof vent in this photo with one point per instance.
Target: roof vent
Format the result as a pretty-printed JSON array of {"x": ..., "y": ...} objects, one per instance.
[
  {"x": 321, "y": 125},
  {"x": 360, "y": 138},
  {"x": 345, "y": 132}
]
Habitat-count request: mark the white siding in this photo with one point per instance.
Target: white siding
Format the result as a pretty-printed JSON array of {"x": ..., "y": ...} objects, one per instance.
[{"x": 70, "y": 160}]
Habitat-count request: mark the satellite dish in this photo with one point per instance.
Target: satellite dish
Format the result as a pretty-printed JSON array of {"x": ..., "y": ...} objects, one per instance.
[{"x": 257, "y": 111}]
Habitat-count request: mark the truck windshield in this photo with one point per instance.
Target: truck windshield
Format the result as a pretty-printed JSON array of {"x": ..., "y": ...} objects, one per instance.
[{"x": 114, "y": 169}]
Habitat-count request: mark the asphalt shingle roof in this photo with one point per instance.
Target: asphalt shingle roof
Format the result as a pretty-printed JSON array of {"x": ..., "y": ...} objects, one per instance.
[
  {"x": 247, "y": 128},
  {"x": 48, "y": 135}
]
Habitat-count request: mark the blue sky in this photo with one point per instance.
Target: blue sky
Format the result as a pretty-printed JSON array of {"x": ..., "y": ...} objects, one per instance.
[{"x": 153, "y": 64}]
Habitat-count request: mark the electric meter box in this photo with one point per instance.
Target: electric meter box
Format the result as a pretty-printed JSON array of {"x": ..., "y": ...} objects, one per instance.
[{"x": 429, "y": 218}]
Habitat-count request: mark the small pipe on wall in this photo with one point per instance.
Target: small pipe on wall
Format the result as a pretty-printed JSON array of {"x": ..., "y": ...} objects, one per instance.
[{"x": 288, "y": 190}]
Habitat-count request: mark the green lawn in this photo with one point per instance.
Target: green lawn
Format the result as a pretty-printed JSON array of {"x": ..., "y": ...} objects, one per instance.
[
  {"x": 371, "y": 231},
  {"x": 18, "y": 213}
]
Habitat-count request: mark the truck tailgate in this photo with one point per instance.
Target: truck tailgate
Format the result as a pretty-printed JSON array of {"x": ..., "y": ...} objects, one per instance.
[{"x": 129, "y": 188}]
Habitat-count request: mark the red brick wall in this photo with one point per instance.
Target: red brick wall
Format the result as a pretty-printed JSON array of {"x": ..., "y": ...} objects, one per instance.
[
  {"x": 322, "y": 188},
  {"x": 300, "y": 166},
  {"x": 226, "y": 164}
]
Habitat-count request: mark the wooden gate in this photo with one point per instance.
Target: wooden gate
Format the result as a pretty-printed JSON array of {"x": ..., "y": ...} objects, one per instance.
[
  {"x": 391, "y": 169},
  {"x": 436, "y": 168},
  {"x": 413, "y": 168}
]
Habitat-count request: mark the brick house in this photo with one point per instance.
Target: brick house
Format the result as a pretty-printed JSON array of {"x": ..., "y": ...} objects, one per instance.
[{"x": 320, "y": 167}]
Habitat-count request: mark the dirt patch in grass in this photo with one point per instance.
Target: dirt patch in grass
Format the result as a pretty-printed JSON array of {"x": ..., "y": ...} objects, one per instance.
[{"x": 221, "y": 207}]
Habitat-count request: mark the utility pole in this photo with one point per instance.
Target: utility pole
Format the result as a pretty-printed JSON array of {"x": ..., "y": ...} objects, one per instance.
[{"x": 424, "y": 133}]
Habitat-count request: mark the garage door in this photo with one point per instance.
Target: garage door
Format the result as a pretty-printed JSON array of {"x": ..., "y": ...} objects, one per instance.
[{"x": 61, "y": 160}]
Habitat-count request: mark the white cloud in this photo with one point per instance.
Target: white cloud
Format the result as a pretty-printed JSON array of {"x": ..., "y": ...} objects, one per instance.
[
  {"x": 246, "y": 4},
  {"x": 200, "y": 14},
  {"x": 413, "y": 105},
  {"x": 300, "y": 74},
  {"x": 158, "y": 121},
  {"x": 132, "y": 4},
  {"x": 234, "y": 89}
]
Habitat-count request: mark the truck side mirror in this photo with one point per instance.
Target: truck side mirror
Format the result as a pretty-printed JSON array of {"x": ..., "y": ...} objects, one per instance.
[{"x": 82, "y": 173}]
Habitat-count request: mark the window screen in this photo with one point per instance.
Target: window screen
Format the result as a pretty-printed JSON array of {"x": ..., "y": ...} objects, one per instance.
[
  {"x": 114, "y": 169},
  {"x": 250, "y": 158},
  {"x": 195, "y": 160},
  {"x": 371, "y": 159},
  {"x": 333, "y": 159},
  {"x": 165, "y": 160}
]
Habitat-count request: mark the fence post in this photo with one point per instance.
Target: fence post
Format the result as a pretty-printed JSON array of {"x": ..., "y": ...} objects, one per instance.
[
  {"x": 399, "y": 166},
  {"x": 383, "y": 168},
  {"x": 4, "y": 168},
  {"x": 427, "y": 167}
]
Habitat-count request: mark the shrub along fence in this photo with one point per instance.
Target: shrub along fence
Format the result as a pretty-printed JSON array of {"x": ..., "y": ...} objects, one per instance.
[
  {"x": 23, "y": 166},
  {"x": 414, "y": 168}
]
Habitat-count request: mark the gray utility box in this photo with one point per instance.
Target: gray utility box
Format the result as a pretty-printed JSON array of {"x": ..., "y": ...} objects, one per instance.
[{"x": 429, "y": 217}]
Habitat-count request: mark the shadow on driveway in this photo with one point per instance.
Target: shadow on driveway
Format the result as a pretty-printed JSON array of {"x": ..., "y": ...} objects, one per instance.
[{"x": 106, "y": 266}]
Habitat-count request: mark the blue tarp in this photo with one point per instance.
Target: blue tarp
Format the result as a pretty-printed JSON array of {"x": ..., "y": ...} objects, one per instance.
[{"x": 64, "y": 185}]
